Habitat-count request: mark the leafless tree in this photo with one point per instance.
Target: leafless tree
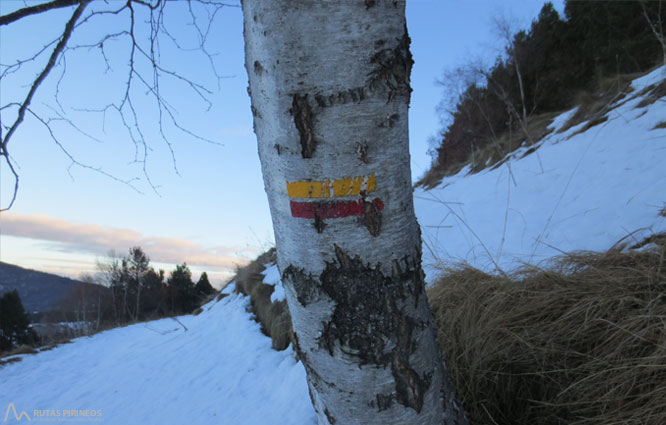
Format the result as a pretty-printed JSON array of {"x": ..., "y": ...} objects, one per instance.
[
  {"x": 656, "y": 25},
  {"x": 504, "y": 29},
  {"x": 134, "y": 43}
]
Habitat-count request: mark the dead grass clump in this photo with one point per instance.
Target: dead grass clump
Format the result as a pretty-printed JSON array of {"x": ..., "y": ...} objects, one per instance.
[
  {"x": 593, "y": 107},
  {"x": 661, "y": 124},
  {"x": 652, "y": 94},
  {"x": 433, "y": 177},
  {"x": 583, "y": 342},
  {"x": 273, "y": 316},
  {"x": 10, "y": 360},
  {"x": 21, "y": 349},
  {"x": 496, "y": 152},
  {"x": 591, "y": 123}
]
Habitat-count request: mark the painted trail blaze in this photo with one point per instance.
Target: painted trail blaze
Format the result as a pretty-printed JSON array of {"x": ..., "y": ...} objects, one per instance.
[{"x": 327, "y": 194}]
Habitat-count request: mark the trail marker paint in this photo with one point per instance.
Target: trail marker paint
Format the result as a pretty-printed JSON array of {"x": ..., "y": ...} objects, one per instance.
[
  {"x": 346, "y": 187},
  {"x": 349, "y": 186},
  {"x": 336, "y": 209}
]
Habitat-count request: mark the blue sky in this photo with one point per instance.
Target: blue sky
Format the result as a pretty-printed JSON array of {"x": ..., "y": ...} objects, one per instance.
[{"x": 211, "y": 213}]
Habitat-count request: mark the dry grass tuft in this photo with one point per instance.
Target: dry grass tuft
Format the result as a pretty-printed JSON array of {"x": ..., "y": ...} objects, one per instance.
[
  {"x": 494, "y": 152},
  {"x": 583, "y": 342},
  {"x": 21, "y": 349},
  {"x": 661, "y": 124},
  {"x": 591, "y": 123},
  {"x": 593, "y": 107},
  {"x": 10, "y": 360},
  {"x": 273, "y": 316},
  {"x": 652, "y": 94}
]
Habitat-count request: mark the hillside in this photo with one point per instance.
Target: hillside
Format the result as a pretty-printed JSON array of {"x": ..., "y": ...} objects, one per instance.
[
  {"x": 586, "y": 187},
  {"x": 39, "y": 291}
]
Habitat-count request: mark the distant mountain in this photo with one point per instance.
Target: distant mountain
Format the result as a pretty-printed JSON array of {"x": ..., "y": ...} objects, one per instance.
[{"x": 39, "y": 291}]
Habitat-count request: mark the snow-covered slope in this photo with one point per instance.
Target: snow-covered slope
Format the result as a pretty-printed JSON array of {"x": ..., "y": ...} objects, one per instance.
[
  {"x": 580, "y": 191},
  {"x": 222, "y": 370}
]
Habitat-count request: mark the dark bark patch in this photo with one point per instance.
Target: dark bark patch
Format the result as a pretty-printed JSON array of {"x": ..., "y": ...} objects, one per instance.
[
  {"x": 304, "y": 121},
  {"x": 384, "y": 401},
  {"x": 306, "y": 287},
  {"x": 362, "y": 151},
  {"x": 330, "y": 417},
  {"x": 392, "y": 120},
  {"x": 370, "y": 321},
  {"x": 366, "y": 316},
  {"x": 258, "y": 69},
  {"x": 369, "y": 3},
  {"x": 277, "y": 148},
  {"x": 355, "y": 94},
  {"x": 319, "y": 224},
  {"x": 393, "y": 67},
  {"x": 297, "y": 348},
  {"x": 371, "y": 218},
  {"x": 410, "y": 386}
]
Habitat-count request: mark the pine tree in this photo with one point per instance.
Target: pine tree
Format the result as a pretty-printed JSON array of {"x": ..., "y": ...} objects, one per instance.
[
  {"x": 203, "y": 286},
  {"x": 14, "y": 323},
  {"x": 181, "y": 290}
]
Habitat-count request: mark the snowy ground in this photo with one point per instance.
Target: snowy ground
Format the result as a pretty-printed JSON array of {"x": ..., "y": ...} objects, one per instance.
[
  {"x": 582, "y": 191},
  {"x": 272, "y": 277},
  {"x": 577, "y": 192},
  {"x": 222, "y": 370}
]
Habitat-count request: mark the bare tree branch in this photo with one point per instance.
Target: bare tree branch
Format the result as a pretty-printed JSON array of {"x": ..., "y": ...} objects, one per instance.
[
  {"x": 142, "y": 73},
  {"x": 33, "y": 10},
  {"x": 656, "y": 27},
  {"x": 67, "y": 33}
]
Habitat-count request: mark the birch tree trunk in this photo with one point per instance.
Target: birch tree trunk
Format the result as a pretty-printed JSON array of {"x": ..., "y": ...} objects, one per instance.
[{"x": 329, "y": 82}]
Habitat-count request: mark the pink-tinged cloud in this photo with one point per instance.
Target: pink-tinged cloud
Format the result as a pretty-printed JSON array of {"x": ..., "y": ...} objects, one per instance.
[{"x": 98, "y": 240}]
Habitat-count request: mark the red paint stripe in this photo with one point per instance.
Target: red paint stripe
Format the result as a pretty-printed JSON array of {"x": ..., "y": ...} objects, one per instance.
[{"x": 331, "y": 209}]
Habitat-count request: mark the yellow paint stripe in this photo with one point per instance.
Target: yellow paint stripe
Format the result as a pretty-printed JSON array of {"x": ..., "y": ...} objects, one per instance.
[{"x": 348, "y": 186}]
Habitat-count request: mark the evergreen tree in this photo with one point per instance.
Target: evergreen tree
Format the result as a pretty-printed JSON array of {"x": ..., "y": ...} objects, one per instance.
[
  {"x": 153, "y": 299},
  {"x": 203, "y": 286},
  {"x": 14, "y": 323},
  {"x": 181, "y": 290},
  {"x": 557, "y": 58},
  {"x": 136, "y": 267}
]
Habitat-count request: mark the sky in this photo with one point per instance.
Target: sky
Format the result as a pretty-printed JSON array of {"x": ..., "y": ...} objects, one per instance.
[{"x": 205, "y": 204}]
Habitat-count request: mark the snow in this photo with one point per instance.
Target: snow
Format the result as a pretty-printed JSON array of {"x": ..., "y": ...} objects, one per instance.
[
  {"x": 577, "y": 191},
  {"x": 649, "y": 79},
  {"x": 582, "y": 191},
  {"x": 559, "y": 121},
  {"x": 228, "y": 290},
  {"x": 221, "y": 370},
  {"x": 272, "y": 278}
]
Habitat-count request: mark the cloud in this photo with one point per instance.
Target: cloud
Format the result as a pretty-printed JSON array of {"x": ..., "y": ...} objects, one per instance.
[{"x": 98, "y": 240}]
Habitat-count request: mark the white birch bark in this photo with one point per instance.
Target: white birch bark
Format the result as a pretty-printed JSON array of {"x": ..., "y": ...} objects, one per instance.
[{"x": 329, "y": 82}]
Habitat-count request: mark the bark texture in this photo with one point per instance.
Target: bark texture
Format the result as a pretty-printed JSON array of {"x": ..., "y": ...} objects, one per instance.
[{"x": 329, "y": 82}]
